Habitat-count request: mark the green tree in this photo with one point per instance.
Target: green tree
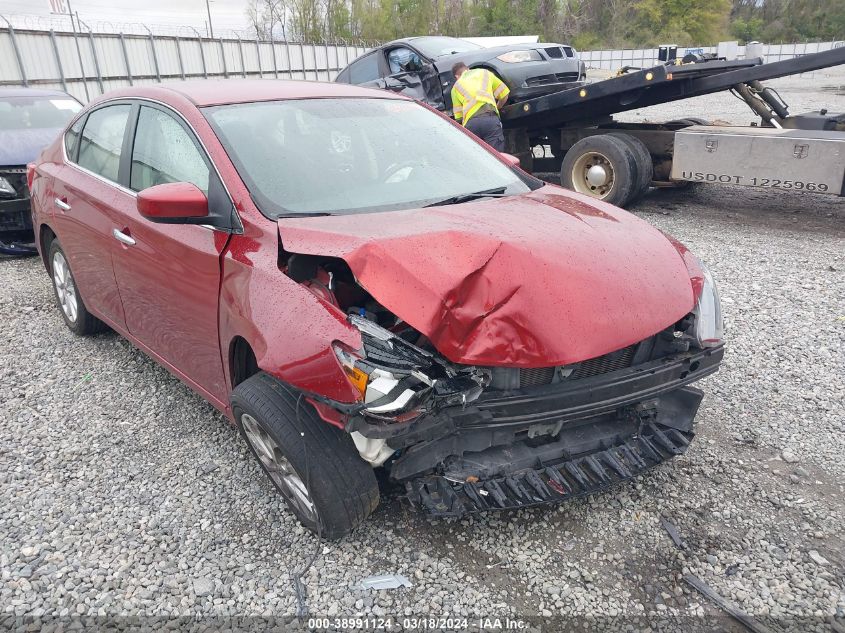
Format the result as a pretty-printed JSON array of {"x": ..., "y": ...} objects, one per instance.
[{"x": 681, "y": 22}]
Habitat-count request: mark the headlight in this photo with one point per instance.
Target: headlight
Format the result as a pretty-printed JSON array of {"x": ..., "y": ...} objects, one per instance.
[
  {"x": 709, "y": 326},
  {"x": 398, "y": 380},
  {"x": 6, "y": 188},
  {"x": 515, "y": 57}
]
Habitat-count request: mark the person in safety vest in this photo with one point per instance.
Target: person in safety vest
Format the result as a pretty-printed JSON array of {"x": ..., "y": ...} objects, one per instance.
[{"x": 477, "y": 97}]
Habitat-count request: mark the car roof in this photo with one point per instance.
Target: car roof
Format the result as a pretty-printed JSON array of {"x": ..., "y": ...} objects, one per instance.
[
  {"x": 228, "y": 91},
  {"x": 31, "y": 92}
]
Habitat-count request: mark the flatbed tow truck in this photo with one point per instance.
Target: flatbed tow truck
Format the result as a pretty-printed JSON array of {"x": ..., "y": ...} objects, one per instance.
[{"x": 617, "y": 161}]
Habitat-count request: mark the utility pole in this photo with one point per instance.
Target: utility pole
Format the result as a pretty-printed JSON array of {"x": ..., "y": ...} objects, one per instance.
[{"x": 210, "y": 28}]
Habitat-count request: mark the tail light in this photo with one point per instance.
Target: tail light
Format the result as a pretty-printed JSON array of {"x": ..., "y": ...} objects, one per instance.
[{"x": 30, "y": 175}]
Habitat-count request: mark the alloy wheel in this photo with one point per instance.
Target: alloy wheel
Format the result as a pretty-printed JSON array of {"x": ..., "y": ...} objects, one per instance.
[
  {"x": 65, "y": 287},
  {"x": 278, "y": 466}
]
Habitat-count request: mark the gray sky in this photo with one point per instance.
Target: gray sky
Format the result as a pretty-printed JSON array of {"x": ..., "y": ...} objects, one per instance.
[{"x": 224, "y": 13}]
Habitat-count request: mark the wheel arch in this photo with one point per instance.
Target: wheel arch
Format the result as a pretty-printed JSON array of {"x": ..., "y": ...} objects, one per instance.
[
  {"x": 242, "y": 361},
  {"x": 45, "y": 236}
]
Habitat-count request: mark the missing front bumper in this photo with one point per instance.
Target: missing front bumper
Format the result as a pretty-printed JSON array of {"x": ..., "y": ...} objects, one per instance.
[{"x": 575, "y": 477}]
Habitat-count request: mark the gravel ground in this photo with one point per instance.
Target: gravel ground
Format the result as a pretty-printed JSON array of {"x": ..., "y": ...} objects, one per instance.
[{"x": 123, "y": 493}]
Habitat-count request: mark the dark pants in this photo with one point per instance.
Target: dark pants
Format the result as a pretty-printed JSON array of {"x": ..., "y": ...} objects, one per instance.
[{"x": 488, "y": 127}]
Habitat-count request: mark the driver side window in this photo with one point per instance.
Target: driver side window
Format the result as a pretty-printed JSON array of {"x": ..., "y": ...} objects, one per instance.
[
  {"x": 164, "y": 152},
  {"x": 403, "y": 60}
]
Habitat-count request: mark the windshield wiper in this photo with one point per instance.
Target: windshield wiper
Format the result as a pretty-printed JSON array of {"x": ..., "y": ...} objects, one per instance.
[
  {"x": 313, "y": 214},
  {"x": 497, "y": 192}
]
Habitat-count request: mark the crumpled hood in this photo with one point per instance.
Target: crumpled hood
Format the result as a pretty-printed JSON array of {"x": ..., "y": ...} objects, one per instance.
[
  {"x": 547, "y": 278},
  {"x": 19, "y": 147}
]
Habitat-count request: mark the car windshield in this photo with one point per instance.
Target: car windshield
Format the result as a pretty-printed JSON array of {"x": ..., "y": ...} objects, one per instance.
[
  {"x": 437, "y": 46},
  {"x": 23, "y": 113},
  {"x": 343, "y": 156}
]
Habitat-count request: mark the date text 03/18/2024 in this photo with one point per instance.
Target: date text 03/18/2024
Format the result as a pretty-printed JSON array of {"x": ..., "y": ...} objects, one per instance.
[{"x": 410, "y": 623}]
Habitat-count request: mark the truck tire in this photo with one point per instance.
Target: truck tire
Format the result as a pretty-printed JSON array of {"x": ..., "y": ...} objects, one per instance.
[
  {"x": 645, "y": 168},
  {"x": 71, "y": 305},
  {"x": 691, "y": 120},
  {"x": 603, "y": 167},
  {"x": 315, "y": 466}
]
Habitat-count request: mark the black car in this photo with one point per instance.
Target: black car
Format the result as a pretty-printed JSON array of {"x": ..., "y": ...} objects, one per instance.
[
  {"x": 29, "y": 121},
  {"x": 421, "y": 67}
]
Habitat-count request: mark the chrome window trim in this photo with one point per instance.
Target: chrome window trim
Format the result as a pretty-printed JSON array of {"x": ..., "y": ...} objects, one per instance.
[{"x": 239, "y": 229}]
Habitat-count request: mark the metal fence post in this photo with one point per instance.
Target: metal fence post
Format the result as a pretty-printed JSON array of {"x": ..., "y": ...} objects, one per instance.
[
  {"x": 126, "y": 59},
  {"x": 202, "y": 53},
  {"x": 223, "y": 58},
  {"x": 241, "y": 53},
  {"x": 17, "y": 53},
  {"x": 302, "y": 59},
  {"x": 287, "y": 53},
  {"x": 179, "y": 57},
  {"x": 155, "y": 57},
  {"x": 81, "y": 63},
  {"x": 258, "y": 57},
  {"x": 316, "y": 63},
  {"x": 275, "y": 63},
  {"x": 58, "y": 59},
  {"x": 96, "y": 61}
]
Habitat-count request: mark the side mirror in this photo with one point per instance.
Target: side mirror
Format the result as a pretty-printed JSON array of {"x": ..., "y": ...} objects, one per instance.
[
  {"x": 174, "y": 203},
  {"x": 510, "y": 159}
]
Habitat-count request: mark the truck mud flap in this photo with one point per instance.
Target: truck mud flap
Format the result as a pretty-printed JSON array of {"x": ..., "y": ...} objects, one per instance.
[{"x": 576, "y": 477}]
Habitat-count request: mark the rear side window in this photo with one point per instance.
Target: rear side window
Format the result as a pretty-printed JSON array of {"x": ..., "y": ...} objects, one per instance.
[
  {"x": 72, "y": 138},
  {"x": 364, "y": 70},
  {"x": 102, "y": 139},
  {"x": 343, "y": 76},
  {"x": 164, "y": 152}
]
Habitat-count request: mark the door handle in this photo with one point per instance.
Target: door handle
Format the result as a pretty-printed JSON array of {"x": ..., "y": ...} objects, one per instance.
[
  {"x": 64, "y": 206},
  {"x": 123, "y": 238}
]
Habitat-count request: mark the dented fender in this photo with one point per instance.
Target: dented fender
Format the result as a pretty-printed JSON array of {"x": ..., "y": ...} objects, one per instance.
[{"x": 289, "y": 329}]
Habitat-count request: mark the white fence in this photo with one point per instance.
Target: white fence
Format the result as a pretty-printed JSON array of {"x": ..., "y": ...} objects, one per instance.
[
  {"x": 647, "y": 57},
  {"x": 86, "y": 65}
]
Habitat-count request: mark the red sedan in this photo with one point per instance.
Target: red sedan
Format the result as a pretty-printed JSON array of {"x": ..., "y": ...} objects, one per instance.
[{"x": 358, "y": 283}]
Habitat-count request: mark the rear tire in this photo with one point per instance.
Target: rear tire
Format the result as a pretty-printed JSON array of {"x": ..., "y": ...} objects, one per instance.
[
  {"x": 645, "y": 168},
  {"x": 601, "y": 166},
  {"x": 315, "y": 466},
  {"x": 691, "y": 120},
  {"x": 71, "y": 306}
]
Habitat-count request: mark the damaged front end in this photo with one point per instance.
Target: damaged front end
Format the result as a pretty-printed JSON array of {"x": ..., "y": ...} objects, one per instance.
[
  {"x": 544, "y": 435},
  {"x": 466, "y": 438}
]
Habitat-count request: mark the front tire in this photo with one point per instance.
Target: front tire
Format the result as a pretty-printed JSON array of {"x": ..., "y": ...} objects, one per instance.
[
  {"x": 71, "y": 305},
  {"x": 315, "y": 466}
]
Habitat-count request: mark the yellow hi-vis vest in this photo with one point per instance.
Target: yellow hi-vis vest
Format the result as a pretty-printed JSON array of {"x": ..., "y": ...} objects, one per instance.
[{"x": 475, "y": 88}]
